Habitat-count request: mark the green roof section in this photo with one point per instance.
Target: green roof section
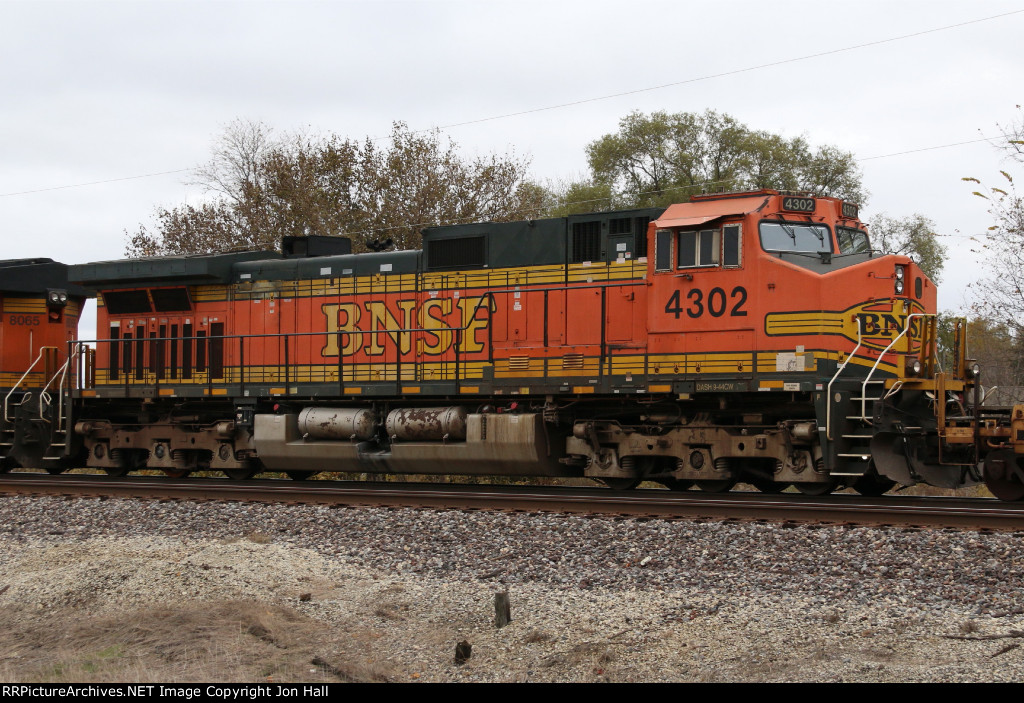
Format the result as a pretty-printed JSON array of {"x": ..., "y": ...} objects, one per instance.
[
  {"x": 37, "y": 276},
  {"x": 199, "y": 270},
  {"x": 599, "y": 236}
]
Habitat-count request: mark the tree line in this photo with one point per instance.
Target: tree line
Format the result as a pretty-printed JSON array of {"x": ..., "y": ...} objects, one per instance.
[{"x": 260, "y": 186}]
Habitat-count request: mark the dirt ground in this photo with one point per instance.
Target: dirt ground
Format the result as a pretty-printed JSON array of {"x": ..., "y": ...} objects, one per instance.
[{"x": 251, "y": 611}]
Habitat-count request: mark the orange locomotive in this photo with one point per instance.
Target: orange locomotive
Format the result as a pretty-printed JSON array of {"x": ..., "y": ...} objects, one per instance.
[
  {"x": 739, "y": 337},
  {"x": 40, "y": 312}
]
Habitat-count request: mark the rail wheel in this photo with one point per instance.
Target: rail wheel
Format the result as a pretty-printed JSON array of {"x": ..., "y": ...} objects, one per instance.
[
  {"x": 128, "y": 460},
  {"x": 641, "y": 467},
  {"x": 300, "y": 475},
  {"x": 239, "y": 474},
  {"x": 176, "y": 473},
  {"x": 722, "y": 486},
  {"x": 1002, "y": 472},
  {"x": 55, "y": 470},
  {"x": 817, "y": 489},
  {"x": 6, "y": 464},
  {"x": 674, "y": 484}
]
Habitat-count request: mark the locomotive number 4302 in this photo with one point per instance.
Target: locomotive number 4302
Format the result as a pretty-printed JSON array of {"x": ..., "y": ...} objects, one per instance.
[{"x": 715, "y": 303}]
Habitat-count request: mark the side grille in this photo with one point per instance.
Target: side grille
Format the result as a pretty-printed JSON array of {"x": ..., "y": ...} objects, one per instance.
[{"x": 572, "y": 361}]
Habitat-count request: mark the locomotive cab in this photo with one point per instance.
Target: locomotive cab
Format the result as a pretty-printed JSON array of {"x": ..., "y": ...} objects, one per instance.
[
  {"x": 781, "y": 295},
  {"x": 40, "y": 317}
]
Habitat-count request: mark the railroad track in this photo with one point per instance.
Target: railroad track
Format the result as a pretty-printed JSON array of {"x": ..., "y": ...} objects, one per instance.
[{"x": 843, "y": 509}]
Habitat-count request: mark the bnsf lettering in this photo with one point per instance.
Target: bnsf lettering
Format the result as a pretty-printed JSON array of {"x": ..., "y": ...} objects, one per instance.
[
  {"x": 23, "y": 320},
  {"x": 887, "y": 325},
  {"x": 373, "y": 326},
  {"x": 715, "y": 303}
]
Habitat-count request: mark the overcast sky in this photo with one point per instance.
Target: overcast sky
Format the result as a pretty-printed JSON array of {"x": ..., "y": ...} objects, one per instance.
[{"x": 96, "y": 91}]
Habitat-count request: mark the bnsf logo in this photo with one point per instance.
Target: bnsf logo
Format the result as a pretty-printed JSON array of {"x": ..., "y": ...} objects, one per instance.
[
  {"x": 878, "y": 330},
  {"x": 880, "y": 322},
  {"x": 435, "y": 327}
]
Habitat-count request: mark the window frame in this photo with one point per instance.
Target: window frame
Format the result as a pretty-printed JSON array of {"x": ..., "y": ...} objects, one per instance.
[
  {"x": 718, "y": 237},
  {"x": 853, "y": 231}
]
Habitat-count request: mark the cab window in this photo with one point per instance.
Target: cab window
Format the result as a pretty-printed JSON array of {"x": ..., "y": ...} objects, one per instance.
[
  {"x": 801, "y": 237},
  {"x": 709, "y": 247},
  {"x": 852, "y": 241}
]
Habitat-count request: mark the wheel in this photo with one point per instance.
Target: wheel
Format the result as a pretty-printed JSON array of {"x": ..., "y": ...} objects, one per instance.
[
  {"x": 722, "y": 486},
  {"x": 770, "y": 486},
  {"x": 817, "y": 489},
  {"x": 239, "y": 474},
  {"x": 176, "y": 473},
  {"x": 639, "y": 466},
  {"x": 674, "y": 484},
  {"x": 128, "y": 460},
  {"x": 299, "y": 475},
  {"x": 55, "y": 470},
  {"x": 1001, "y": 475}
]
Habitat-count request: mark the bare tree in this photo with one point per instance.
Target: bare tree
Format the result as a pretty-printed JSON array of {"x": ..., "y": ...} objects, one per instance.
[
  {"x": 999, "y": 293},
  {"x": 265, "y": 188}
]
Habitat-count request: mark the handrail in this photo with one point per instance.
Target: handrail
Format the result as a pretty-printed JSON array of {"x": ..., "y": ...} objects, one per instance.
[
  {"x": 62, "y": 372},
  {"x": 828, "y": 400},
  {"x": 867, "y": 379},
  {"x": 23, "y": 377}
]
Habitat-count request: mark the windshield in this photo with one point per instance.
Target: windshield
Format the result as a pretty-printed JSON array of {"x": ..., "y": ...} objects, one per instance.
[
  {"x": 794, "y": 236},
  {"x": 852, "y": 241}
]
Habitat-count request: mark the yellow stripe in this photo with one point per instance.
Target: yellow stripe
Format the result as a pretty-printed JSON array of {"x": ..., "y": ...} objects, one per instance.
[
  {"x": 7, "y": 380},
  {"x": 33, "y": 306}
]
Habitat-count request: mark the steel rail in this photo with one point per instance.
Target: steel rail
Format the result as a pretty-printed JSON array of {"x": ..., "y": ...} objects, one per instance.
[{"x": 837, "y": 509}]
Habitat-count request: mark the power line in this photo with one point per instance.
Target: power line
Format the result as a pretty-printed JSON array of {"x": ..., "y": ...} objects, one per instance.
[
  {"x": 927, "y": 148},
  {"x": 618, "y": 95},
  {"x": 737, "y": 71},
  {"x": 183, "y": 170},
  {"x": 95, "y": 183}
]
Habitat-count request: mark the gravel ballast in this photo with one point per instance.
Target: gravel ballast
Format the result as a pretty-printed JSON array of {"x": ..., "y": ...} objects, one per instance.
[{"x": 592, "y": 598}]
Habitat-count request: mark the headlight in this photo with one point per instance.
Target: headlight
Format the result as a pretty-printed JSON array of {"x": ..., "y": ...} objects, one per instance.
[
  {"x": 913, "y": 367},
  {"x": 56, "y": 298},
  {"x": 973, "y": 370},
  {"x": 900, "y": 273},
  {"x": 899, "y": 287}
]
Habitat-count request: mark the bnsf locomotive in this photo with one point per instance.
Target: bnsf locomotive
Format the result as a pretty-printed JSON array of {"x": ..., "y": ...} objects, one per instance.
[
  {"x": 40, "y": 312},
  {"x": 750, "y": 337}
]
